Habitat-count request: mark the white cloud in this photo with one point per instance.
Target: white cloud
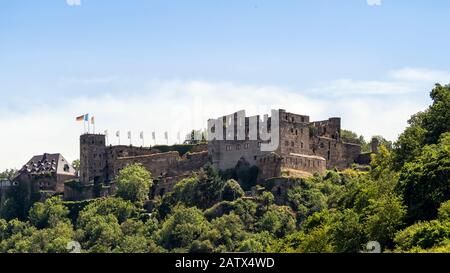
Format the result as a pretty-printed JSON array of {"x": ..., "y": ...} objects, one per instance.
[
  {"x": 399, "y": 82},
  {"x": 183, "y": 105},
  {"x": 421, "y": 75},
  {"x": 374, "y": 2},
  {"x": 343, "y": 87},
  {"x": 73, "y": 2}
]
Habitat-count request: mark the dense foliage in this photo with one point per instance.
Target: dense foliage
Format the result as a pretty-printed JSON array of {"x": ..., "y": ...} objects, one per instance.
[{"x": 402, "y": 202}]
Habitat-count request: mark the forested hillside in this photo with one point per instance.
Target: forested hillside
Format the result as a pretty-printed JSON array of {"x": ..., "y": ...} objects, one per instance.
[{"x": 402, "y": 202}]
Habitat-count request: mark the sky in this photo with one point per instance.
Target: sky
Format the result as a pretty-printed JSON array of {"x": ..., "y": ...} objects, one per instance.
[{"x": 166, "y": 65}]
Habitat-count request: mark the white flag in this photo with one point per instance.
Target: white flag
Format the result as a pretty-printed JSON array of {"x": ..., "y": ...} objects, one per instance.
[{"x": 129, "y": 134}]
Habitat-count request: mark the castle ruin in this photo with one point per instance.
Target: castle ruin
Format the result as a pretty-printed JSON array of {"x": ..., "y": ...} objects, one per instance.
[{"x": 303, "y": 146}]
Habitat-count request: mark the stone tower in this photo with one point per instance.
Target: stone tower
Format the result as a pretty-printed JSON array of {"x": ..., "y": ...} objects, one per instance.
[
  {"x": 374, "y": 145},
  {"x": 92, "y": 158},
  {"x": 334, "y": 127}
]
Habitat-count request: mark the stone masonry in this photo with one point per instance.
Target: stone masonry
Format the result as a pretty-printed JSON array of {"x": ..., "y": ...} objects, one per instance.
[{"x": 303, "y": 146}]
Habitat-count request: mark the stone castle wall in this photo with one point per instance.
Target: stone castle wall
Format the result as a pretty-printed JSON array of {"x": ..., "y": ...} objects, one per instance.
[
  {"x": 303, "y": 145},
  {"x": 307, "y": 163},
  {"x": 269, "y": 166},
  {"x": 157, "y": 164},
  {"x": 338, "y": 154},
  {"x": 100, "y": 164},
  {"x": 225, "y": 154}
]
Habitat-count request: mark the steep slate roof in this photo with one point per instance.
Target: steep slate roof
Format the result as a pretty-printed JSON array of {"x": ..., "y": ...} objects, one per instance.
[{"x": 48, "y": 163}]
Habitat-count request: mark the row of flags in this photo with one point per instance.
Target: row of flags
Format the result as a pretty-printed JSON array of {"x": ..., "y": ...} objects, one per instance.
[
  {"x": 141, "y": 136},
  {"x": 90, "y": 120}
]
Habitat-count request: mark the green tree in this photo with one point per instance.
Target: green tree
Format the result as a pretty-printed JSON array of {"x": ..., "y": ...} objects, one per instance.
[
  {"x": 203, "y": 189},
  {"x": 422, "y": 235},
  {"x": 318, "y": 240},
  {"x": 134, "y": 183},
  {"x": 384, "y": 217},
  {"x": 410, "y": 142},
  {"x": 49, "y": 213},
  {"x": 425, "y": 182},
  {"x": 266, "y": 199},
  {"x": 381, "y": 163},
  {"x": 424, "y": 127},
  {"x": 437, "y": 119},
  {"x": 278, "y": 221},
  {"x": 244, "y": 208},
  {"x": 257, "y": 243},
  {"x": 232, "y": 191},
  {"x": 182, "y": 227},
  {"x": 306, "y": 199},
  {"x": 101, "y": 233},
  {"x": 8, "y": 174},
  {"x": 444, "y": 211},
  {"x": 226, "y": 233},
  {"x": 76, "y": 165},
  {"x": 138, "y": 237},
  {"x": 21, "y": 237},
  {"x": 138, "y": 244},
  {"x": 348, "y": 135},
  {"x": 348, "y": 232},
  {"x": 121, "y": 209}
]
